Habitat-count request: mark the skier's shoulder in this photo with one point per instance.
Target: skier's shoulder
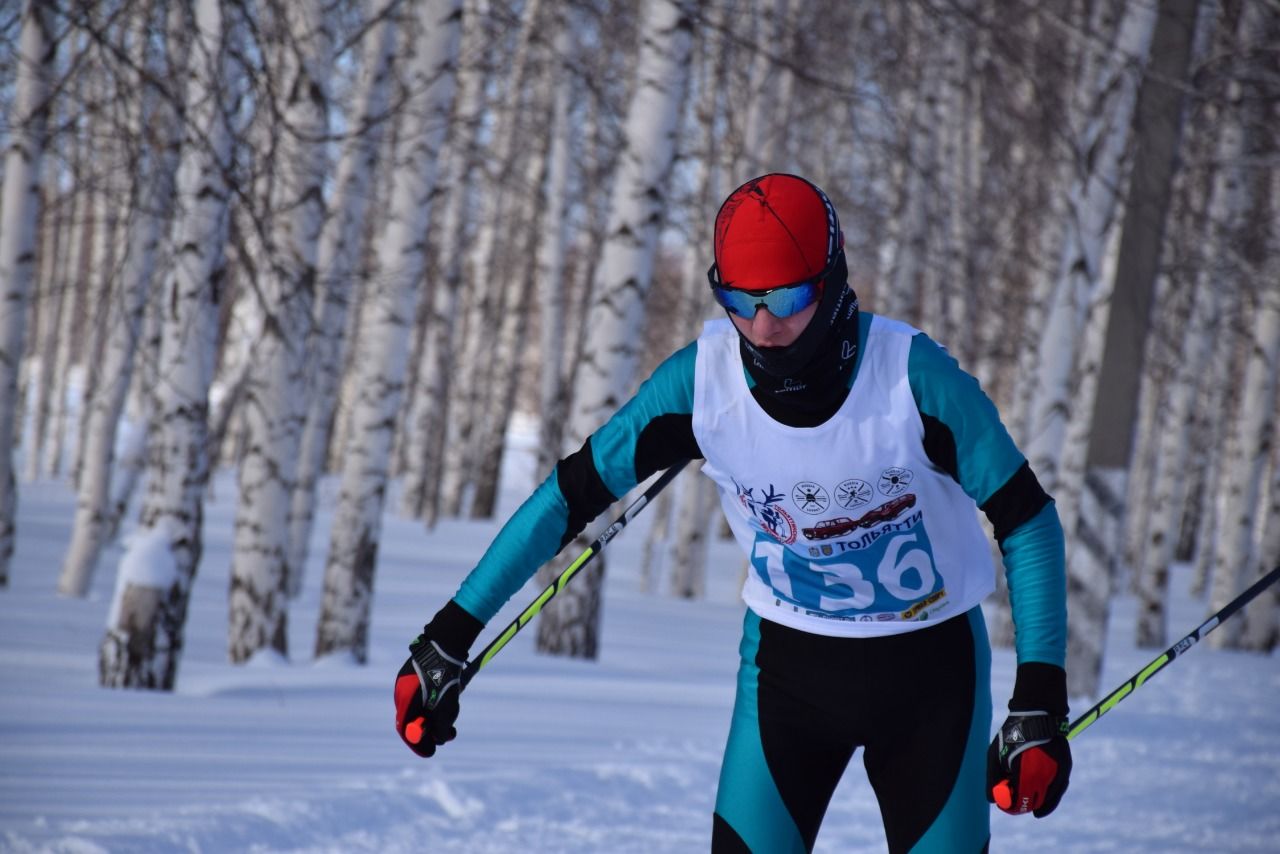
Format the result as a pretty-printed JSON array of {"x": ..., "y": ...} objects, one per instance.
[
  {"x": 931, "y": 367},
  {"x": 672, "y": 379}
]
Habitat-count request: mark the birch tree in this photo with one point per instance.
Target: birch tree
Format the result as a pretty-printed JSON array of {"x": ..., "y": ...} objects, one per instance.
[
  {"x": 152, "y": 169},
  {"x": 1250, "y": 430},
  {"x": 392, "y": 296},
  {"x": 19, "y": 213},
  {"x": 570, "y": 622},
  {"x": 1262, "y": 622},
  {"x": 1092, "y": 207},
  {"x": 696, "y": 496},
  {"x": 274, "y": 406},
  {"x": 762, "y": 134},
  {"x": 433, "y": 399},
  {"x": 145, "y": 634},
  {"x": 484, "y": 296},
  {"x": 909, "y": 226},
  {"x": 50, "y": 303},
  {"x": 553, "y": 297},
  {"x": 337, "y": 263},
  {"x": 1091, "y": 211},
  {"x": 1237, "y": 557}
]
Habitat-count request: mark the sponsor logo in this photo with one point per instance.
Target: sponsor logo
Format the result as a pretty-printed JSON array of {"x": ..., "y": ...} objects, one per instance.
[
  {"x": 853, "y": 493},
  {"x": 895, "y": 480},
  {"x": 766, "y": 509},
  {"x": 917, "y": 611},
  {"x": 810, "y": 497}
]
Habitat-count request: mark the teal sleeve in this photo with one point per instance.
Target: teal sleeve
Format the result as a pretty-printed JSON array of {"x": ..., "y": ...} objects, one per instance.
[
  {"x": 965, "y": 436},
  {"x": 1035, "y": 567},
  {"x": 615, "y": 446},
  {"x": 529, "y": 538},
  {"x": 547, "y": 520}
]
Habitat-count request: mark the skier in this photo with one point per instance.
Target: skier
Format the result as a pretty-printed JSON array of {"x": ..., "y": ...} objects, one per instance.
[{"x": 806, "y": 409}]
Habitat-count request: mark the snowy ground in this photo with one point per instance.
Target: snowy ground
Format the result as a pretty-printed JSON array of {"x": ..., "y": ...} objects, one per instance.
[{"x": 615, "y": 756}]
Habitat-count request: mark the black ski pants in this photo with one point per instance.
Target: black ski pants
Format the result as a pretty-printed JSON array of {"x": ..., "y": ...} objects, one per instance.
[{"x": 917, "y": 703}]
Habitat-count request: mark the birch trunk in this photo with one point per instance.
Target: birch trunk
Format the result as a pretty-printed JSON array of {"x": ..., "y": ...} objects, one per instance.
[
  {"x": 697, "y": 514},
  {"x": 1251, "y": 430},
  {"x": 1158, "y": 366},
  {"x": 337, "y": 263},
  {"x": 139, "y": 419},
  {"x": 552, "y": 293},
  {"x": 144, "y": 639},
  {"x": 1094, "y": 197},
  {"x": 1071, "y": 464},
  {"x": 101, "y": 279},
  {"x": 1172, "y": 488},
  {"x": 762, "y": 133},
  {"x": 697, "y": 523},
  {"x": 50, "y": 300},
  {"x": 1170, "y": 485},
  {"x": 466, "y": 417},
  {"x": 421, "y": 491},
  {"x": 390, "y": 311},
  {"x": 1261, "y": 630},
  {"x": 50, "y": 440},
  {"x": 570, "y": 622},
  {"x": 152, "y": 192},
  {"x": 1092, "y": 207},
  {"x": 909, "y": 227},
  {"x": 19, "y": 214},
  {"x": 506, "y": 367},
  {"x": 275, "y": 406}
]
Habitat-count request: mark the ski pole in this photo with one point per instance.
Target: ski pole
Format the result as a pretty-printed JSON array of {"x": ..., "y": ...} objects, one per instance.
[
  {"x": 1003, "y": 793},
  {"x": 1136, "y": 681},
  {"x": 496, "y": 645}
]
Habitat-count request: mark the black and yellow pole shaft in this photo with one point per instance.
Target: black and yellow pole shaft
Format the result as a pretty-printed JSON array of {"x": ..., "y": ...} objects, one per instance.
[
  {"x": 1137, "y": 680},
  {"x": 495, "y": 646}
]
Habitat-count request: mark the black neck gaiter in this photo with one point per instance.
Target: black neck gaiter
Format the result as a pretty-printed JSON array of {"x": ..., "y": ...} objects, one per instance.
[{"x": 805, "y": 383}]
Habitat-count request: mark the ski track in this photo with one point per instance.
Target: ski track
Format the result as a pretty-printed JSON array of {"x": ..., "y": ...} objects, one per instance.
[{"x": 617, "y": 756}]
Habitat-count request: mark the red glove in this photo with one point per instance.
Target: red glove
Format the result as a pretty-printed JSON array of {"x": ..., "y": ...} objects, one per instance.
[
  {"x": 1029, "y": 761},
  {"x": 429, "y": 682}
]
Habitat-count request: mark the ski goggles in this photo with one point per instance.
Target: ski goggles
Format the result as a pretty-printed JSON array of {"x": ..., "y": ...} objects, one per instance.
[{"x": 782, "y": 301}]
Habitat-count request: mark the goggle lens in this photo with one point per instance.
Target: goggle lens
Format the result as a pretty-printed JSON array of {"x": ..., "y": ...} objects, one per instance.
[{"x": 781, "y": 302}]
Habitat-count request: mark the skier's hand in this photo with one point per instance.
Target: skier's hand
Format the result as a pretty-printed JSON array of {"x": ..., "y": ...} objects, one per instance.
[
  {"x": 427, "y": 689},
  {"x": 429, "y": 682},
  {"x": 1029, "y": 760}
]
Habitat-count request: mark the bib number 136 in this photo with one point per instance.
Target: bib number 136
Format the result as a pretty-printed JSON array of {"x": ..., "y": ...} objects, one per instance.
[{"x": 903, "y": 573}]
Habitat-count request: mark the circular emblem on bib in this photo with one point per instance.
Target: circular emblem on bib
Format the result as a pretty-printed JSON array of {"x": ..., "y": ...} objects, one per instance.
[
  {"x": 810, "y": 497},
  {"x": 853, "y": 493},
  {"x": 894, "y": 481}
]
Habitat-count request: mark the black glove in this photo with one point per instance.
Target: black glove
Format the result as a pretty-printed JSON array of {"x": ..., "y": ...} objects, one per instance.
[
  {"x": 1029, "y": 760},
  {"x": 429, "y": 682}
]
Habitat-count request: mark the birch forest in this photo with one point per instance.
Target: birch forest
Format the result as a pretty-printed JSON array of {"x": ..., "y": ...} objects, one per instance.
[{"x": 349, "y": 240}]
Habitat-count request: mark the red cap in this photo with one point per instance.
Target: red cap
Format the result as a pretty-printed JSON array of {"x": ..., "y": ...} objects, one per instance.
[{"x": 775, "y": 230}]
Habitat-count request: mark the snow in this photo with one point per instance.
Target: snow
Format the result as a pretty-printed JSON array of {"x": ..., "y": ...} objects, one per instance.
[
  {"x": 553, "y": 755},
  {"x": 147, "y": 562}
]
